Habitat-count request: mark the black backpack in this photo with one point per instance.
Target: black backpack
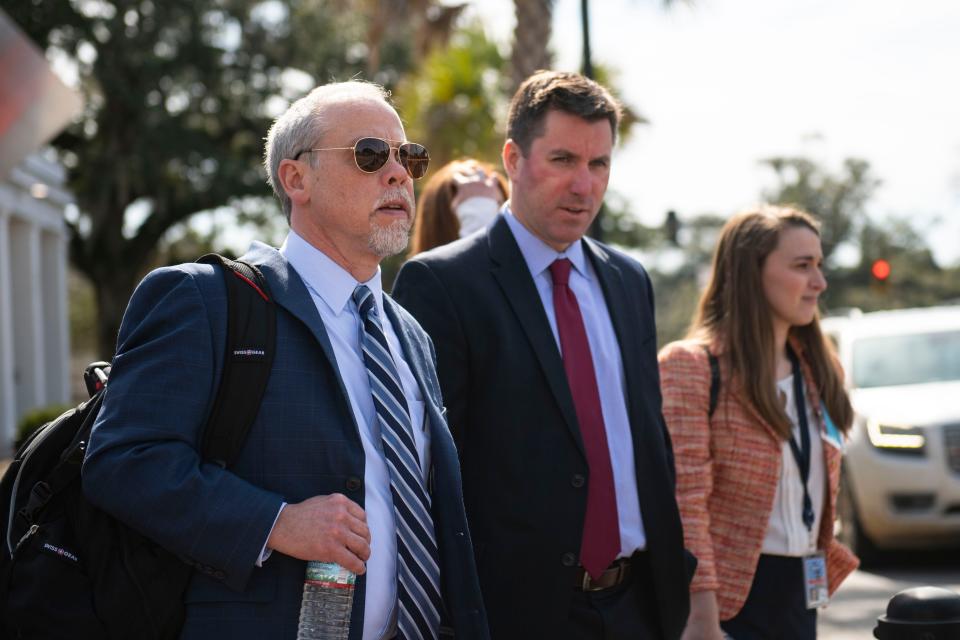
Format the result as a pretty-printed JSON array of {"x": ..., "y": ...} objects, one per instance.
[
  {"x": 70, "y": 570},
  {"x": 714, "y": 382}
]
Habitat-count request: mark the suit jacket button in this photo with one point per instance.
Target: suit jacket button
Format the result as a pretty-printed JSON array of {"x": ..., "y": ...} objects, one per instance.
[
  {"x": 354, "y": 483},
  {"x": 568, "y": 560},
  {"x": 578, "y": 480}
]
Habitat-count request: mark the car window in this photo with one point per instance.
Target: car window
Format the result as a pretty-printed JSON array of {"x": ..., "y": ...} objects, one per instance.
[{"x": 906, "y": 359}]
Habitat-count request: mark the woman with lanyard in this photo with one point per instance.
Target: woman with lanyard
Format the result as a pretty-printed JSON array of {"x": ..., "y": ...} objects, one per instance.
[{"x": 755, "y": 405}]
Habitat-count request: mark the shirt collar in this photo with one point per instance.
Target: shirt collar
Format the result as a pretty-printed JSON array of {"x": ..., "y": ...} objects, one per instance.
[
  {"x": 539, "y": 255},
  {"x": 324, "y": 277}
]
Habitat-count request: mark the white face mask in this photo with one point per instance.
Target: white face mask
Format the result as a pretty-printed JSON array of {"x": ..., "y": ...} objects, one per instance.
[{"x": 475, "y": 213}]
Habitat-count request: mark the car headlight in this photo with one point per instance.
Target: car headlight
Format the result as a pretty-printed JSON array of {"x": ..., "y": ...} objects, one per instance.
[{"x": 889, "y": 436}]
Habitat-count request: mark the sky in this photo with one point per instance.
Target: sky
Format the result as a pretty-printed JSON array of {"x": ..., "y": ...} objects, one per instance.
[{"x": 726, "y": 83}]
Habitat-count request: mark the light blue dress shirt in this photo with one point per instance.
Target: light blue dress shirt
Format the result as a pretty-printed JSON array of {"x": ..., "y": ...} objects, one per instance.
[
  {"x": 331, "y": 288},
  {"x": 607, "y": 365}
]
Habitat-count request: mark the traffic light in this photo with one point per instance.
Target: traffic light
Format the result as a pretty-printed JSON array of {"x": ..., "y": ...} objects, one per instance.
[
  {"x": 880, "y": 269},
  {"x": 880, "y": 272}
]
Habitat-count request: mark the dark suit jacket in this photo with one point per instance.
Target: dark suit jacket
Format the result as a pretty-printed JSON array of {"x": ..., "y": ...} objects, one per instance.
[
  {"x": 143, "y": 466},
  {"x": 512, "y": 415}
]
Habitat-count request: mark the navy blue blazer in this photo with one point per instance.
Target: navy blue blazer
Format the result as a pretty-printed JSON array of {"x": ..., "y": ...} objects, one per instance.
[
  {"x": 525, "y": 471},
  {"x": 143, "y": 467}
]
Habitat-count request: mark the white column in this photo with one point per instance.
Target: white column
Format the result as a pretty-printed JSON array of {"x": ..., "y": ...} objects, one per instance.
[
  {"x": 27, "y": 326},
  {"x": 8, "y": 412},
  {"x": 53, "y": 298}
]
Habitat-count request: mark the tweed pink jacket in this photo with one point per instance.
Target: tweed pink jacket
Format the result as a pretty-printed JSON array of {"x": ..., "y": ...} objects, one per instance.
[{"x": 727, "y": 472}]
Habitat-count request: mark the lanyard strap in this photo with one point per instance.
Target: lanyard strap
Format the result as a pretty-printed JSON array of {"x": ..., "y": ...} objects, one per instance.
[{"x": 801, "y": 452}]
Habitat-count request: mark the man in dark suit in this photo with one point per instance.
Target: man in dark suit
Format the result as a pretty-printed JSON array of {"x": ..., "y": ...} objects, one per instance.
[
  {"x": 349, "y": 459},
  {"x": 547, "y": 357}
]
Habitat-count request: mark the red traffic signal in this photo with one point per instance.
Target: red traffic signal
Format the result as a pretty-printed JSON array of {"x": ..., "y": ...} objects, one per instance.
[{"x": 880, "y": 269}]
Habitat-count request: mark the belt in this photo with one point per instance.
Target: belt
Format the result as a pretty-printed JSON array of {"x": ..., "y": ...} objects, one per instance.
[{"x": 615, "y": 574}]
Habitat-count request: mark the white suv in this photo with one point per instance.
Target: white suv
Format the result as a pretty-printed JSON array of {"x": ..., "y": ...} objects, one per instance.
[{"x": 901, "y": 479}]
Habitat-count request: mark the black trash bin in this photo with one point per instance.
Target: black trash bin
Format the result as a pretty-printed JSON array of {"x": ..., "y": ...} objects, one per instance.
[{"x": 921, "y": 613}]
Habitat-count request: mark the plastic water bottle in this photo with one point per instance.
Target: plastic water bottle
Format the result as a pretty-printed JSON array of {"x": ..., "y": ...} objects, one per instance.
[{"x": 327, "y": 602}]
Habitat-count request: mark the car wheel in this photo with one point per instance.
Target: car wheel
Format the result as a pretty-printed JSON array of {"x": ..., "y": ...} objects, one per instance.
[{"x": 849, "y": 530}]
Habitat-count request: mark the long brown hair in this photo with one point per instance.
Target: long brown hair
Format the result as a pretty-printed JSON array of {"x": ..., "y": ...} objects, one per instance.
[
  {"x": 436, "y": 222},
  {"x": 734, "y": 314}
]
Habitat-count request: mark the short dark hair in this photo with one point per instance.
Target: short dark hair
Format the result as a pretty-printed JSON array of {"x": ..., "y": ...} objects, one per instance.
[{"x": 562, "y": 91}]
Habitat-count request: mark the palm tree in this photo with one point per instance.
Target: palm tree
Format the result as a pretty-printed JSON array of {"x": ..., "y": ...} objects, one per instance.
[
  {"x": 430, "y": 22},
  {"x": 531, "y": 37}
]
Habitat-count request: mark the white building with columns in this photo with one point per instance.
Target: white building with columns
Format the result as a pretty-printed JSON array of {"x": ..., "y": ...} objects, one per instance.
[{"x": 34, "y": 336}]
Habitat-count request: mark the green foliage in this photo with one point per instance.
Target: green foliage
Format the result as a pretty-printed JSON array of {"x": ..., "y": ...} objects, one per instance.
[
  {"x": 621, "y": 227},
  {"x": 677, "y": 295},
  {"x": 678, "y": 290},
  {"x": 35, "y": 419},
  {"x": 609, "y": 77},
  {"x": 83, "y": 313},
  {"x": 915, "y": 278},
  {"x": 839, "y": 201},
  {"x": 455, "y": 102},
  {"x": 179, "y": 95}
]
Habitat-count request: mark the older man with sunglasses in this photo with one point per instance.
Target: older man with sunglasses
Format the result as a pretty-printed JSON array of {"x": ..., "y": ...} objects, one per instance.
[{"x": 349, "y": 459}]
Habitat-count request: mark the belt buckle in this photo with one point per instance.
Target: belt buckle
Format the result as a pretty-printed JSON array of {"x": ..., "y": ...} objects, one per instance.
[
  {"x": 589, "y": 584},
  {"x": 617, "y": 569},
  {"x": 586, "y": 581}
]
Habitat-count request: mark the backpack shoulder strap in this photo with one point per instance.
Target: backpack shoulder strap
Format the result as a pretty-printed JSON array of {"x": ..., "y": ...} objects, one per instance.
[
  {"x": 714, "y": 381},
  {"x": 251, "y": 338}
]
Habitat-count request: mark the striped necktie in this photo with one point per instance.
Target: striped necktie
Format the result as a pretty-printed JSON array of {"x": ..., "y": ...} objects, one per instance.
[{"x": 418, "y": 567}]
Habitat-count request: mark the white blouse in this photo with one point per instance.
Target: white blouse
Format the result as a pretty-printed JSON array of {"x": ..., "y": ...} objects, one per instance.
[{"x": 786, "y": 533}]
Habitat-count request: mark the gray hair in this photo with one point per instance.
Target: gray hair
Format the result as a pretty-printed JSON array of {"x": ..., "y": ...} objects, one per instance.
[{"x": 302, "y": 125}]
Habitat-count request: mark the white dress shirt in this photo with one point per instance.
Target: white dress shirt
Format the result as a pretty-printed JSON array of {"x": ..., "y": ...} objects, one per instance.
[
  {"x": 786, "y": 533},
  {"x": 607, "y": 366},
  {"x": 331, "y": 288}
]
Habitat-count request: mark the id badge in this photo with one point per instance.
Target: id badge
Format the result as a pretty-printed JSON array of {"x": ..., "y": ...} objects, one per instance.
[{"x": 815, "y": 585}]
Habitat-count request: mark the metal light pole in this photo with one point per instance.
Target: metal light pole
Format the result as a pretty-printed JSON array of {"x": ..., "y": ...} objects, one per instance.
[
  {"x": 596, "y": 230},
  {"x": 585, "y": 19}
]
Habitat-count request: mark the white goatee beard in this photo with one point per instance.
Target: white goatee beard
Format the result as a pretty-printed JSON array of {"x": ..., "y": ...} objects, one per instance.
[{"x": 389, "y": 240}]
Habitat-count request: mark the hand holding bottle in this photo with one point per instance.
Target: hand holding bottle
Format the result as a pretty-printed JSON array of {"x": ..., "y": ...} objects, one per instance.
[{"x": 329, "y": 528}]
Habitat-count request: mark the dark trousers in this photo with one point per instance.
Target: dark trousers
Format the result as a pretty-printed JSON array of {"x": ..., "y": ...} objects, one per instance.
[
  {"x": 627, "y": 611},
  {"x": 775, "y": 608}
]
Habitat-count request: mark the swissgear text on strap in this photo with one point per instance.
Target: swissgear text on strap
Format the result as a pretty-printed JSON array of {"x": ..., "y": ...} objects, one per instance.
[{"x": 251, "y": 334}]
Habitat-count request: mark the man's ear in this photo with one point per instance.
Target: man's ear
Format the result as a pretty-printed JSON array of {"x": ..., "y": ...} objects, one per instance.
[
  {"x": 511, "y": 155},
  {"x": 293, "y": 181}
]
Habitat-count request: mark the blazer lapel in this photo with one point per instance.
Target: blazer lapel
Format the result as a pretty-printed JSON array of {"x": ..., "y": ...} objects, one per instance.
[
  {"x": 511, "y": 272},
  {"x": 413, "y": 357},
  {"x": 442, "y": 448},
  {"x": 624, "y": 323},
  {"x": 629, "y": 337},
  {"x": 289, "y": 291}
]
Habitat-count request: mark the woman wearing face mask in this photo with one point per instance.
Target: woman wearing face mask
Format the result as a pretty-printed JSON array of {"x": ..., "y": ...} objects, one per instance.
[
  {"x": 755, "y": 405},
  {"x": 461, "y": 197}
]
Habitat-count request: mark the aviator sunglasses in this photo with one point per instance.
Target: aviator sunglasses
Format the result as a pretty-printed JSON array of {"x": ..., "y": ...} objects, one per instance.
[{"x": 371, "y": 154}]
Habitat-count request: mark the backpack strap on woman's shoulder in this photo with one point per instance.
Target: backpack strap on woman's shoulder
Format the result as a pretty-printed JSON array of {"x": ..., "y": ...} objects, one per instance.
[{"x": 714, "y": 380}]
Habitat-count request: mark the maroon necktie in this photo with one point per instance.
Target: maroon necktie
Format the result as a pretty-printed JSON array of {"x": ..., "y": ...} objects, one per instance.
[{"x": 601, "y": 529}]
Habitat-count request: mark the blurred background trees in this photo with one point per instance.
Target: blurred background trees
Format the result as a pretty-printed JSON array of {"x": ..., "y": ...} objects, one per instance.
[
  {"x": 178, "y": 96},
  {"x": 165, "y": 162}
]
